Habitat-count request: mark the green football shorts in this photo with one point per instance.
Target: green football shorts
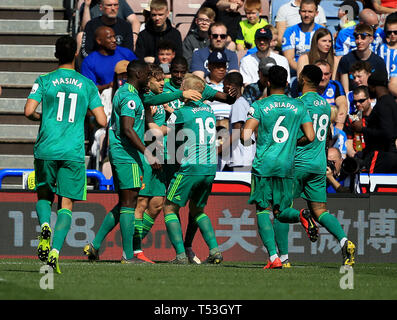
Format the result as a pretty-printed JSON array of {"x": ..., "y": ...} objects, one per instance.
[
  {"x": 153, "y": 183},
  {"x": 271, "y": 191},
  {"x": 126, "y": 176},
  {"x": 190, "y": 187},
  {"x": 64, "y": 177},
  {"x": 310, "y": 186}
]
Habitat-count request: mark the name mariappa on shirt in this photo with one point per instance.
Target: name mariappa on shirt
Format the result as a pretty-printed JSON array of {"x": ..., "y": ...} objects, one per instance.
[{"x": 281, "y": 105}]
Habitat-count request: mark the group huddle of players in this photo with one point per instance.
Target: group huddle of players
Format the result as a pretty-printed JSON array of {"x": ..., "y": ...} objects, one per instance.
[{"x": 290, "y": 161}]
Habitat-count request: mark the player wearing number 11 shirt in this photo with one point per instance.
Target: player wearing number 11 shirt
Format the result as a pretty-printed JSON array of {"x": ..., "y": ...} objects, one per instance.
[
  {"x": 59, "y": 157},
  {"x": 278, "y": 119}
]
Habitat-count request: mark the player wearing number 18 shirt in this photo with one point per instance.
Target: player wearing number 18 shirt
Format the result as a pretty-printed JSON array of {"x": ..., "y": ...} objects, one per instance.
[
  {"x": 59, "y": 157},
  {"x": 278, "y": 119},
  {"x": 310, "y": 169}
]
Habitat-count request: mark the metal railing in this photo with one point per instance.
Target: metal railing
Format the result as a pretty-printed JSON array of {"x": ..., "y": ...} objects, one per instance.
[{"x": 103, "y": 183}]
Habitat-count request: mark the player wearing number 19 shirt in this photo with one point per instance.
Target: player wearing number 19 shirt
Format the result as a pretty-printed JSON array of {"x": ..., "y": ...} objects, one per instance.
[
  {"x": 193, "y": 180},
  {"x": 278, "y": 119},
  {"x": 310, "y": 169},
  {"x": 59, "y": 157}
]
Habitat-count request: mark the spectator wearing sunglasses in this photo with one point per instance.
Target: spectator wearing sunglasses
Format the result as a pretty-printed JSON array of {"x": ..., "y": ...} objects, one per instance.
[
  {"x": 218, "y": 35},
  {"x": 362, "y": 104},
  {"x": 345, "y": 41},
  {"x": 364, "y": 36},
  {"x": 380, "y": 132}
]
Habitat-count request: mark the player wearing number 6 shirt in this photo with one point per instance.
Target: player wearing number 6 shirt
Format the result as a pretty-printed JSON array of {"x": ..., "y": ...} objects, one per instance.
[
  {"x": 310, "y": 169},
  {"x": 278, "y": 119},
  {"x": 59, "y": 157},
  {"x": 194, "y": 178}
]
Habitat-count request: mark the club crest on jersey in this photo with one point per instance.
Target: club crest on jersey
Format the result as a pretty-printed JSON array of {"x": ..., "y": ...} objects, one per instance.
[
  {"x": 34, "y": 88},
  {"x": 330, "y": 92},
  {"x": 131, "y": 104}
]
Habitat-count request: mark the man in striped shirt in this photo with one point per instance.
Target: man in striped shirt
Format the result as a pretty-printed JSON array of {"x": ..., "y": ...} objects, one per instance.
[
  {"x": 297, "y": 38},
  {"x": 388, "y": 51}
]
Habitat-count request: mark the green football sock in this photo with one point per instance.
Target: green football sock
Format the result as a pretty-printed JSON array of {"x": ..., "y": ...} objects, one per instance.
[
  {"x": 205, "y": 226},
  {"x": 127, "y": 218},
  {"x": 331, "y": 223},
  {"x": 265, "y": 229},
  {"x": 147, "y": 224},
  {"x": 61, "y": 228},
  {"x": 43, "y": 210},
  {"x": 289, "y": 215},
  {"x": 191, "y": 230},
  {"x": 110, "y": 221},
  {"x": 281, "y": 234},
  {"x": 174, "y": 231},
  {"x": 137, "y": 239}
]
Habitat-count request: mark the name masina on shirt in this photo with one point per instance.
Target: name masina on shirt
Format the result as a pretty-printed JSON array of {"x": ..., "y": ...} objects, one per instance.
[{"x": 72, "y": 81}]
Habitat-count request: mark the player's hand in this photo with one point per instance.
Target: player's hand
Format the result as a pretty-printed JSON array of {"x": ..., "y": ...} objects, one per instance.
[
  {"x": 153, "y": 110},
  {"x": 232, "y": 91},
  {"x": 168, "y": 108},
  {"x": 192, "y": 95},
  {"x": 152, "y": 160},
  {"x": 87, "y": 2}
]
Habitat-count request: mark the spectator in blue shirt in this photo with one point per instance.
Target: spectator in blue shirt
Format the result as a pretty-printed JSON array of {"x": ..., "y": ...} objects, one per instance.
[
  {"x": 332, "y": 91},
  {"x": 218, "y": 35},
  {"x": 99, "y": 65},
  {"x": 388, "y": 51},
  {"x": 297, "y": 38}
]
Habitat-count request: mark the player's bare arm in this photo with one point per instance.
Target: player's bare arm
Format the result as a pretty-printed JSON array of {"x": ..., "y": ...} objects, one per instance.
[
  {"x": 250, "y": 126},
  {"x": 308, "y": 132},
  {"x": 30, "y": 110},
  {"x": 127, "y": 127},
  {"x": 100, "y": 116}
]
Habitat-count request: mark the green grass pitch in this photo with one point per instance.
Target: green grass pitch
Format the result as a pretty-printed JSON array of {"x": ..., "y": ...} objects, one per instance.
[{"x": 20, "y": 279}]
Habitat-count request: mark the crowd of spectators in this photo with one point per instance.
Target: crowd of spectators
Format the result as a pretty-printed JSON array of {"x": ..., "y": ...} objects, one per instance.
[{"x": 232, "y": 44}]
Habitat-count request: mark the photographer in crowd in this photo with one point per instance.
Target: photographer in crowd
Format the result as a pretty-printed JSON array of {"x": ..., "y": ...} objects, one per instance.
[{"x": 337, "y": 179}]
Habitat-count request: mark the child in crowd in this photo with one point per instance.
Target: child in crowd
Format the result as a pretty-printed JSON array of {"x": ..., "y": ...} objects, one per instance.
[
  {"x": 166, "y": 53},
  {"x": 247, "y": 28}
]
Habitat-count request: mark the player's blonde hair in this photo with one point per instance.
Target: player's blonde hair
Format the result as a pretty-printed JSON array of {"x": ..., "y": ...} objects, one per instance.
[{"x": 191, "y": 81}]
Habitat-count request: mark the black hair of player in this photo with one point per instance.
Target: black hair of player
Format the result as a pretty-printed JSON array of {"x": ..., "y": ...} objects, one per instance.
[
  {"x": 135, "y": 66},
  {"x": 179, "y": 60},
  {"x": 65, "y": 49},
  {"x": 234, "y": 78},
  {"x": 278, "y": 77},
  {"x": 313, "y": 74}
]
